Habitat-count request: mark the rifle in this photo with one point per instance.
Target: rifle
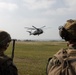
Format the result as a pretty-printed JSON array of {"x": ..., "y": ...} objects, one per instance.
[{"x": 13, "y": 48}]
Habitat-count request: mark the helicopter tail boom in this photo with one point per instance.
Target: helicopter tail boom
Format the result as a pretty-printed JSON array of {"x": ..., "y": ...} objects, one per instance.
[{"x": 29, "y": 32}]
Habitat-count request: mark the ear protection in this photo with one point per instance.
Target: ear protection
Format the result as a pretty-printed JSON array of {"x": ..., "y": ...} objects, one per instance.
[{"x": 64, "y": 33}]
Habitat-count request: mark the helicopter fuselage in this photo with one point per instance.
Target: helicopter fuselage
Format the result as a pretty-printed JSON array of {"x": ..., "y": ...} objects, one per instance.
[
  {"x": 35, "y": 30},
  {"x": 38, "y": 32}
]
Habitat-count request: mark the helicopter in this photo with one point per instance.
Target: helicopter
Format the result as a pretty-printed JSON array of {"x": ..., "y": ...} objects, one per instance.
[{"x": 36, "y": 31}]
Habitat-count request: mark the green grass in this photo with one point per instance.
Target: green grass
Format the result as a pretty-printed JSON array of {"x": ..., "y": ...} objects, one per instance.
[{"x": 31, "y": 57}]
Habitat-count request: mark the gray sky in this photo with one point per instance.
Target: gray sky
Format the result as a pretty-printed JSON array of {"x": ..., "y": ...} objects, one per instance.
[{"x": 17, "y": 14}]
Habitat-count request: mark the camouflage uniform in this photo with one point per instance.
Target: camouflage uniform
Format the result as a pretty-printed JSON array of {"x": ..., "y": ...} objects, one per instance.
[
  {"x": 54, "y": 61},
  {"x": 68, "y": 33}
]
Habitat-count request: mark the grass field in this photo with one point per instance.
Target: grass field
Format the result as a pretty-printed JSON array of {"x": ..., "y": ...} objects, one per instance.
[{"x": 31, "y": 57}]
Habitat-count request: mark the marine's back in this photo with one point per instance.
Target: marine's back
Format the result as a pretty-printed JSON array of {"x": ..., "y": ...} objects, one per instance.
[{"x": 64, "y": 61}]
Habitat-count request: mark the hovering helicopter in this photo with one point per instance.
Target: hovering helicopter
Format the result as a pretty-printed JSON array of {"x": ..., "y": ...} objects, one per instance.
[{"x": 36, "y": 31}]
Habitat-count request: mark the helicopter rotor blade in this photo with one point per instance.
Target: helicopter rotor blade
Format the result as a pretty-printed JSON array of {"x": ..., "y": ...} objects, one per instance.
[
  {"x": 43, "y": 26},
  {"x": 29, "y": 28},
  {"x": 34, "y": 27}
]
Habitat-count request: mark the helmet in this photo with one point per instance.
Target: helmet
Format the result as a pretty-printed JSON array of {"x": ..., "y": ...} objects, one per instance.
[
  {"x": 68, "y": 31},
  {"x": 4, "y": 37}
]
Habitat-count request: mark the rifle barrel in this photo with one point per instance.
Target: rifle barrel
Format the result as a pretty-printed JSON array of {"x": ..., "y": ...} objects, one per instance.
[{"x": 13, "y": 48}]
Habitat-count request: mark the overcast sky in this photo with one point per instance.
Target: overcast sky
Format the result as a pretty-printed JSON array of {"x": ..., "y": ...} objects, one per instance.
[{"x": 17, "y": 14}]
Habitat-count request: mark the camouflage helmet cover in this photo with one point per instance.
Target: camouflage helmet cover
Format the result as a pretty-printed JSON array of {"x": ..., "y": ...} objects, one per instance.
[
  {"x": 70, "y": 26},
  {"x": 4, "y": 37}
]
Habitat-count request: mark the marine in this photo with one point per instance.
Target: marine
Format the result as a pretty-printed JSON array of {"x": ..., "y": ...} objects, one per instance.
[
  {"x": 64, "y": 61},
  {"x": 7, "y": 66}
]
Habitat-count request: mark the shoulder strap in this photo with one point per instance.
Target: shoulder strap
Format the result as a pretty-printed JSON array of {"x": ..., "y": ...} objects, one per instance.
[
  {"x": 61, "y": 55},
  {"x": 72, "y": 52}
]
